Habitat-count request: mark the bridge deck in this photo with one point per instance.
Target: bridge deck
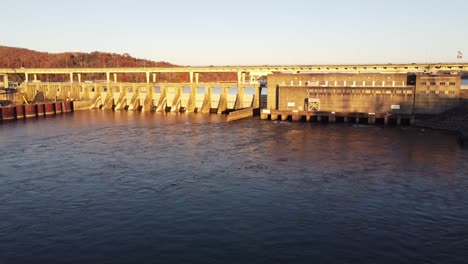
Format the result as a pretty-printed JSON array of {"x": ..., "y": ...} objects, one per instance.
[{"x": 258, "y": 70}]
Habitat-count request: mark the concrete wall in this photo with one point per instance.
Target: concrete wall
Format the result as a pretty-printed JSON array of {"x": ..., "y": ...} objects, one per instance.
[
  {"x": 348, "y": 99},
  {"x": 341, "y": 92},
  {"x": 332, "y": 80},
  {"x": 437, "y": 93},
  {"x": 364, "y": 93}
]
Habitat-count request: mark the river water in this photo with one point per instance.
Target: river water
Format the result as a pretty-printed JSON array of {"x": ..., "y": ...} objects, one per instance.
[{"x": 124, "y": 187}]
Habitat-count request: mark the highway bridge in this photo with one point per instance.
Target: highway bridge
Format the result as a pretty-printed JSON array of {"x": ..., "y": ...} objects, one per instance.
[{"x": 253, "y": 72}]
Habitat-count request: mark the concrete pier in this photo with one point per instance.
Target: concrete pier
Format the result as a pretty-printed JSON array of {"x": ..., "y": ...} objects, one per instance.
[
  {"x": 335, "y": 117},
  {"x": 240, "y": 114},
  {"x": 296, "y": 117}
]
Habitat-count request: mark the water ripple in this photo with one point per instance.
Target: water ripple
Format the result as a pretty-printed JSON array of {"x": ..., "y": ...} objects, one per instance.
[{"x": 123, "y": 187}]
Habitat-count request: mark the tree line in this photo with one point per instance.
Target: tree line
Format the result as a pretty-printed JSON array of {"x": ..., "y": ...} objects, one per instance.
[{"x": 12, "y": 57}]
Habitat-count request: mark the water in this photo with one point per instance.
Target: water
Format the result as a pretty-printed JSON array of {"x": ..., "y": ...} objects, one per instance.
[{"x": 104, "y": 187}]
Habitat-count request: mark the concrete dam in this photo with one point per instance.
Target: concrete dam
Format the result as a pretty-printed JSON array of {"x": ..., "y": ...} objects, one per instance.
[{"x": 350, "y": 93}]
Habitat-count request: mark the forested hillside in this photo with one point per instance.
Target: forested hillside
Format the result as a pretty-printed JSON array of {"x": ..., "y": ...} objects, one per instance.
[
  {"x": 11, "y": 57},
  {"x": 17, "y": 57}
]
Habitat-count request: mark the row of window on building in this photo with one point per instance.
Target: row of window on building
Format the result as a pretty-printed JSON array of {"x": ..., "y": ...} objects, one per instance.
[
  {"x": 440, "y": 83},
  {"x": 378, "y": 92},
  {"x": 346, "y": 83},
  {"x": 438, "y": 92},
  {"x": 354, "y": 91}
]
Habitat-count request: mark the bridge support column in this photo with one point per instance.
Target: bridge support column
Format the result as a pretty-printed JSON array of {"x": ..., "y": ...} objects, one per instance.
[
  {"x": 115, "y": 77},
  {"x": 196, "y": 77},
  {"x": 79, "y": 77},
  {"x": 154, "y": 77},
  {"x": 26, "y": 77},
  {"x": 71, "y": 77},
  {"x": 108, "y": 77},
  {"x": 191, "y": 77},
  {"x": 240, "y": 77},
  {"x": 5, "y": 81},
  {"x": 147, "y": 77},
  {"x": 35, "y": 77}
]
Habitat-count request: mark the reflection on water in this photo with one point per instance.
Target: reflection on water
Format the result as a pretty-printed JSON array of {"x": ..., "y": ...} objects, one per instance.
[{"x": 124, "y": 187}]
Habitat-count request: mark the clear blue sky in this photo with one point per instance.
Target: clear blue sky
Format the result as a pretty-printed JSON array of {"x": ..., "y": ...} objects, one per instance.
[{"x": 209, "y": 32}]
